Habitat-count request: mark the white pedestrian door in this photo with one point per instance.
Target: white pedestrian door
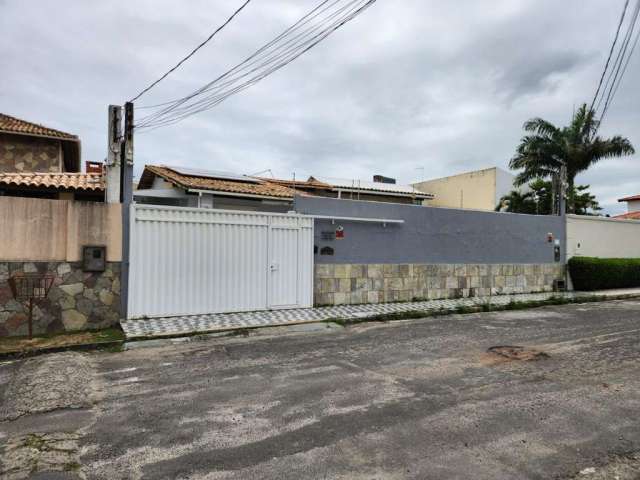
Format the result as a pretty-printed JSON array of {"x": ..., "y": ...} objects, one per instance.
[
  {"x": 192, "y": 261},
  {"x": 284, "y": 267}
]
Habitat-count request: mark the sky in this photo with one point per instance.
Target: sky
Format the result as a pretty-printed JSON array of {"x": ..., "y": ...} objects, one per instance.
[{"x": 411, "y": 89}]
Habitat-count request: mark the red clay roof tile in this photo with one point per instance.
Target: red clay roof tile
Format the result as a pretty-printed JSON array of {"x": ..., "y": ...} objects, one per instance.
[
  {"x": 630, "y": 199},
  {"x": 9, "y": 124},
  {"x": 628, "y": 216},
  {"x": 57, "y": 181},
  {"x": 263, "y": 188}
]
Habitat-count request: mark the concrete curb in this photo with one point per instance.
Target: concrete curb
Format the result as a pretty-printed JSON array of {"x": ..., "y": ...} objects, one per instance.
[{"x": 169, "y": 338}]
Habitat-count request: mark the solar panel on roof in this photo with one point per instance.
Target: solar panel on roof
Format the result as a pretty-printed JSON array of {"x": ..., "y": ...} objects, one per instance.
[
  {"x": 373, "y": 186},
  {"x": 197, "y": 172}
]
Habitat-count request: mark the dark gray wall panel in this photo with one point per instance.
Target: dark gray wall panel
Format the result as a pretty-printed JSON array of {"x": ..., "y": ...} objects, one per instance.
[{"x": 431, "y": 235}]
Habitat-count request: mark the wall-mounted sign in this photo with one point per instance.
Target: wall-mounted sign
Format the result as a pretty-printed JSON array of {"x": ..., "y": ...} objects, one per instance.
[
  {"x": 328, "y": 236},
  {"x": 339, "y": 232}
]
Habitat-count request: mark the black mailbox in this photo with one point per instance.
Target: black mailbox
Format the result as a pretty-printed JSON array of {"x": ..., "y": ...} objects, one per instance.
[{"x": 94, "y": 258}]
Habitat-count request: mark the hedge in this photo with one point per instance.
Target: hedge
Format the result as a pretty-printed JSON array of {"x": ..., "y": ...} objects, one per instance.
[{"x": 590, "y": 273}]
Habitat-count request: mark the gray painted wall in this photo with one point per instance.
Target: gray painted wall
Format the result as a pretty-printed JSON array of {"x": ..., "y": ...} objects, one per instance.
[{"x": 431, "y": 235}]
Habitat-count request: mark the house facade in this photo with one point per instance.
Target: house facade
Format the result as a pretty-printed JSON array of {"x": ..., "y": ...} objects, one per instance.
[
  {"x": 186, "y": 187},
  {"x": 46, "y": 231},
  {"x": 41, "y": 162},
  {"x": 29, "y": 147}
]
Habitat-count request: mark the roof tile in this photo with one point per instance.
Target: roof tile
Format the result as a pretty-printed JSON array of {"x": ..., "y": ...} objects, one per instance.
[
  {"x": 628, "y": 216},
  {"x": 58, "y": 181},
  {"x": 263, "y": 188},
  {"x": 630, "y": 199},
  {"x": 15, "y": 125}
]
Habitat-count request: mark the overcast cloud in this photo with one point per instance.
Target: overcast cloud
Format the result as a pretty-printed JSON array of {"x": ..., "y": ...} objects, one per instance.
[{"x": 411, "y": 86}]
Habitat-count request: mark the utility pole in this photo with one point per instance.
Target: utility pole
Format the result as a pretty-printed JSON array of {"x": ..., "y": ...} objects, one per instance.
[
  {"x": 112, "y": 194},
  {"x": 554, "y": 194},
  {"x": 126, "y": 197},
  {"x": 126, "y": 173},
  {"x": 559, "y": 189},
  {"x": 563, "y": 190}
]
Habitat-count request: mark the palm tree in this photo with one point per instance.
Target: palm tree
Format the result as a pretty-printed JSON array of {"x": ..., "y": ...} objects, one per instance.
[
  {"x": 547, "y": 148},
  {"x": 537, "y": 200},
  {"x": 517, "y": 202}
]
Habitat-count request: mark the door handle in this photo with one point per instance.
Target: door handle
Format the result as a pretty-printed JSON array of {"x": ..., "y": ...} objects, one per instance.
[{"x": 274, "y": 267}]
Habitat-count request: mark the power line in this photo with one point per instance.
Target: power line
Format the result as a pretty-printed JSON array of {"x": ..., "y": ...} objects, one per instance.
[
  {"x": 305, "y": 19},
  {"x": 633, "y": 47},
  {"x": 273, "y": 56},
  {"x": 277, "y": 53},
  {"x": 213, "y": 100},
  {"x": 270, "y": 54},
  {"x": 620, "y": 60},
  {"x": 295, "y": 25},
  {"x": 173, "y": 105},
  {"x": 272, "y": 63},
  {"x": 215, "y": 32},
  {"x": 613, "y": 45}
]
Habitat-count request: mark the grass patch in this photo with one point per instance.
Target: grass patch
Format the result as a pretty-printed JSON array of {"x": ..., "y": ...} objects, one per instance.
[
  {"x": 71, "y": 467},
  {"x": 34, "y": 441},
  {"x": 22, "y": 345}
]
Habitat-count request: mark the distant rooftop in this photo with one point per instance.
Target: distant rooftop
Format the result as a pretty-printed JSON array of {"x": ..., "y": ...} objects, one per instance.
[
  {"x": 630, "y": 199},
  {"x": 201, "y": 179},
  {"x": 346, "y": 184},
  {"x": 197, "y": 179},
  {"x": 220, "y": 175},
  {"x": 9, "y": 124},
  {"x": 55, "y": 180},
  {"x": 628, "y": 216}
]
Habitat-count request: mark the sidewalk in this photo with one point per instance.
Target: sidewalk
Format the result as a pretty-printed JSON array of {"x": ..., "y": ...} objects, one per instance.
[{"x": 187, "y": 325}]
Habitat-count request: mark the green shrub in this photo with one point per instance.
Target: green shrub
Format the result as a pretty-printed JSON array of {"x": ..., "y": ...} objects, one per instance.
[{"x": 590, "y": 273}]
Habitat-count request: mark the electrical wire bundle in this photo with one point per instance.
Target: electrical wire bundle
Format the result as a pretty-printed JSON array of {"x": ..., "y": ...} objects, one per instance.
[
  {"x": 302, "y": 36},
  {"x": 614, "y": 72}
]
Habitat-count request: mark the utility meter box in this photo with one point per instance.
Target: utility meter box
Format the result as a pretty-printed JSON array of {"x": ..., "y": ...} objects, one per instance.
[{"x": 94, "y": 258}]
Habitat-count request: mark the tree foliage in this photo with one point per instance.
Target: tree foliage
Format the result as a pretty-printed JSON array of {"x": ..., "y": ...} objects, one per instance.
[
  {"x": 537, "y": 200},
  {"x": 546, "y": 147}
]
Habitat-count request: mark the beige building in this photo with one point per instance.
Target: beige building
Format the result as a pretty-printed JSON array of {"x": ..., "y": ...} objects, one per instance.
[{"x": 477, "y": 190}]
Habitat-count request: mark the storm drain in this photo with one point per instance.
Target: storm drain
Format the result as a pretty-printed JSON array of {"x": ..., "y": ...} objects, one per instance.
[{"x": 515, "y": 352}]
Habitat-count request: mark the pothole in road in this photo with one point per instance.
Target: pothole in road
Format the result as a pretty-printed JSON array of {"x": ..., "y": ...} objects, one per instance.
[{"x": 519, "y": 353}]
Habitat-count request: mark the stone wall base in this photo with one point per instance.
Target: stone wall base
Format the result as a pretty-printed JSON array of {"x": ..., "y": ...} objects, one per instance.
[
  {"x": 378, "y": 283},
  {"x": 77, "y": 301}
]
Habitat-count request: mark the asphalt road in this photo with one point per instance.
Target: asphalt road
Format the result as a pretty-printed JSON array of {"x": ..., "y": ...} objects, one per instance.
[{"x": 419, "y": 399}]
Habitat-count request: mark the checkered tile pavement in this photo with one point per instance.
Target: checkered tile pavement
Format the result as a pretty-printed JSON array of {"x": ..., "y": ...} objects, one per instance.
[{"x": 183, "y": 325}]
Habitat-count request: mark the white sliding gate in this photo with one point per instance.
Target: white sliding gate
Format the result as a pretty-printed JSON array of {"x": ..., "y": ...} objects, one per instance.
[{"x": 188, "y": 261}]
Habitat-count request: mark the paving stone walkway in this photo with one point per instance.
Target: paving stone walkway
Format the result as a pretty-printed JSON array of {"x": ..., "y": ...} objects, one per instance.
[{"x": 189, "y": 324}]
